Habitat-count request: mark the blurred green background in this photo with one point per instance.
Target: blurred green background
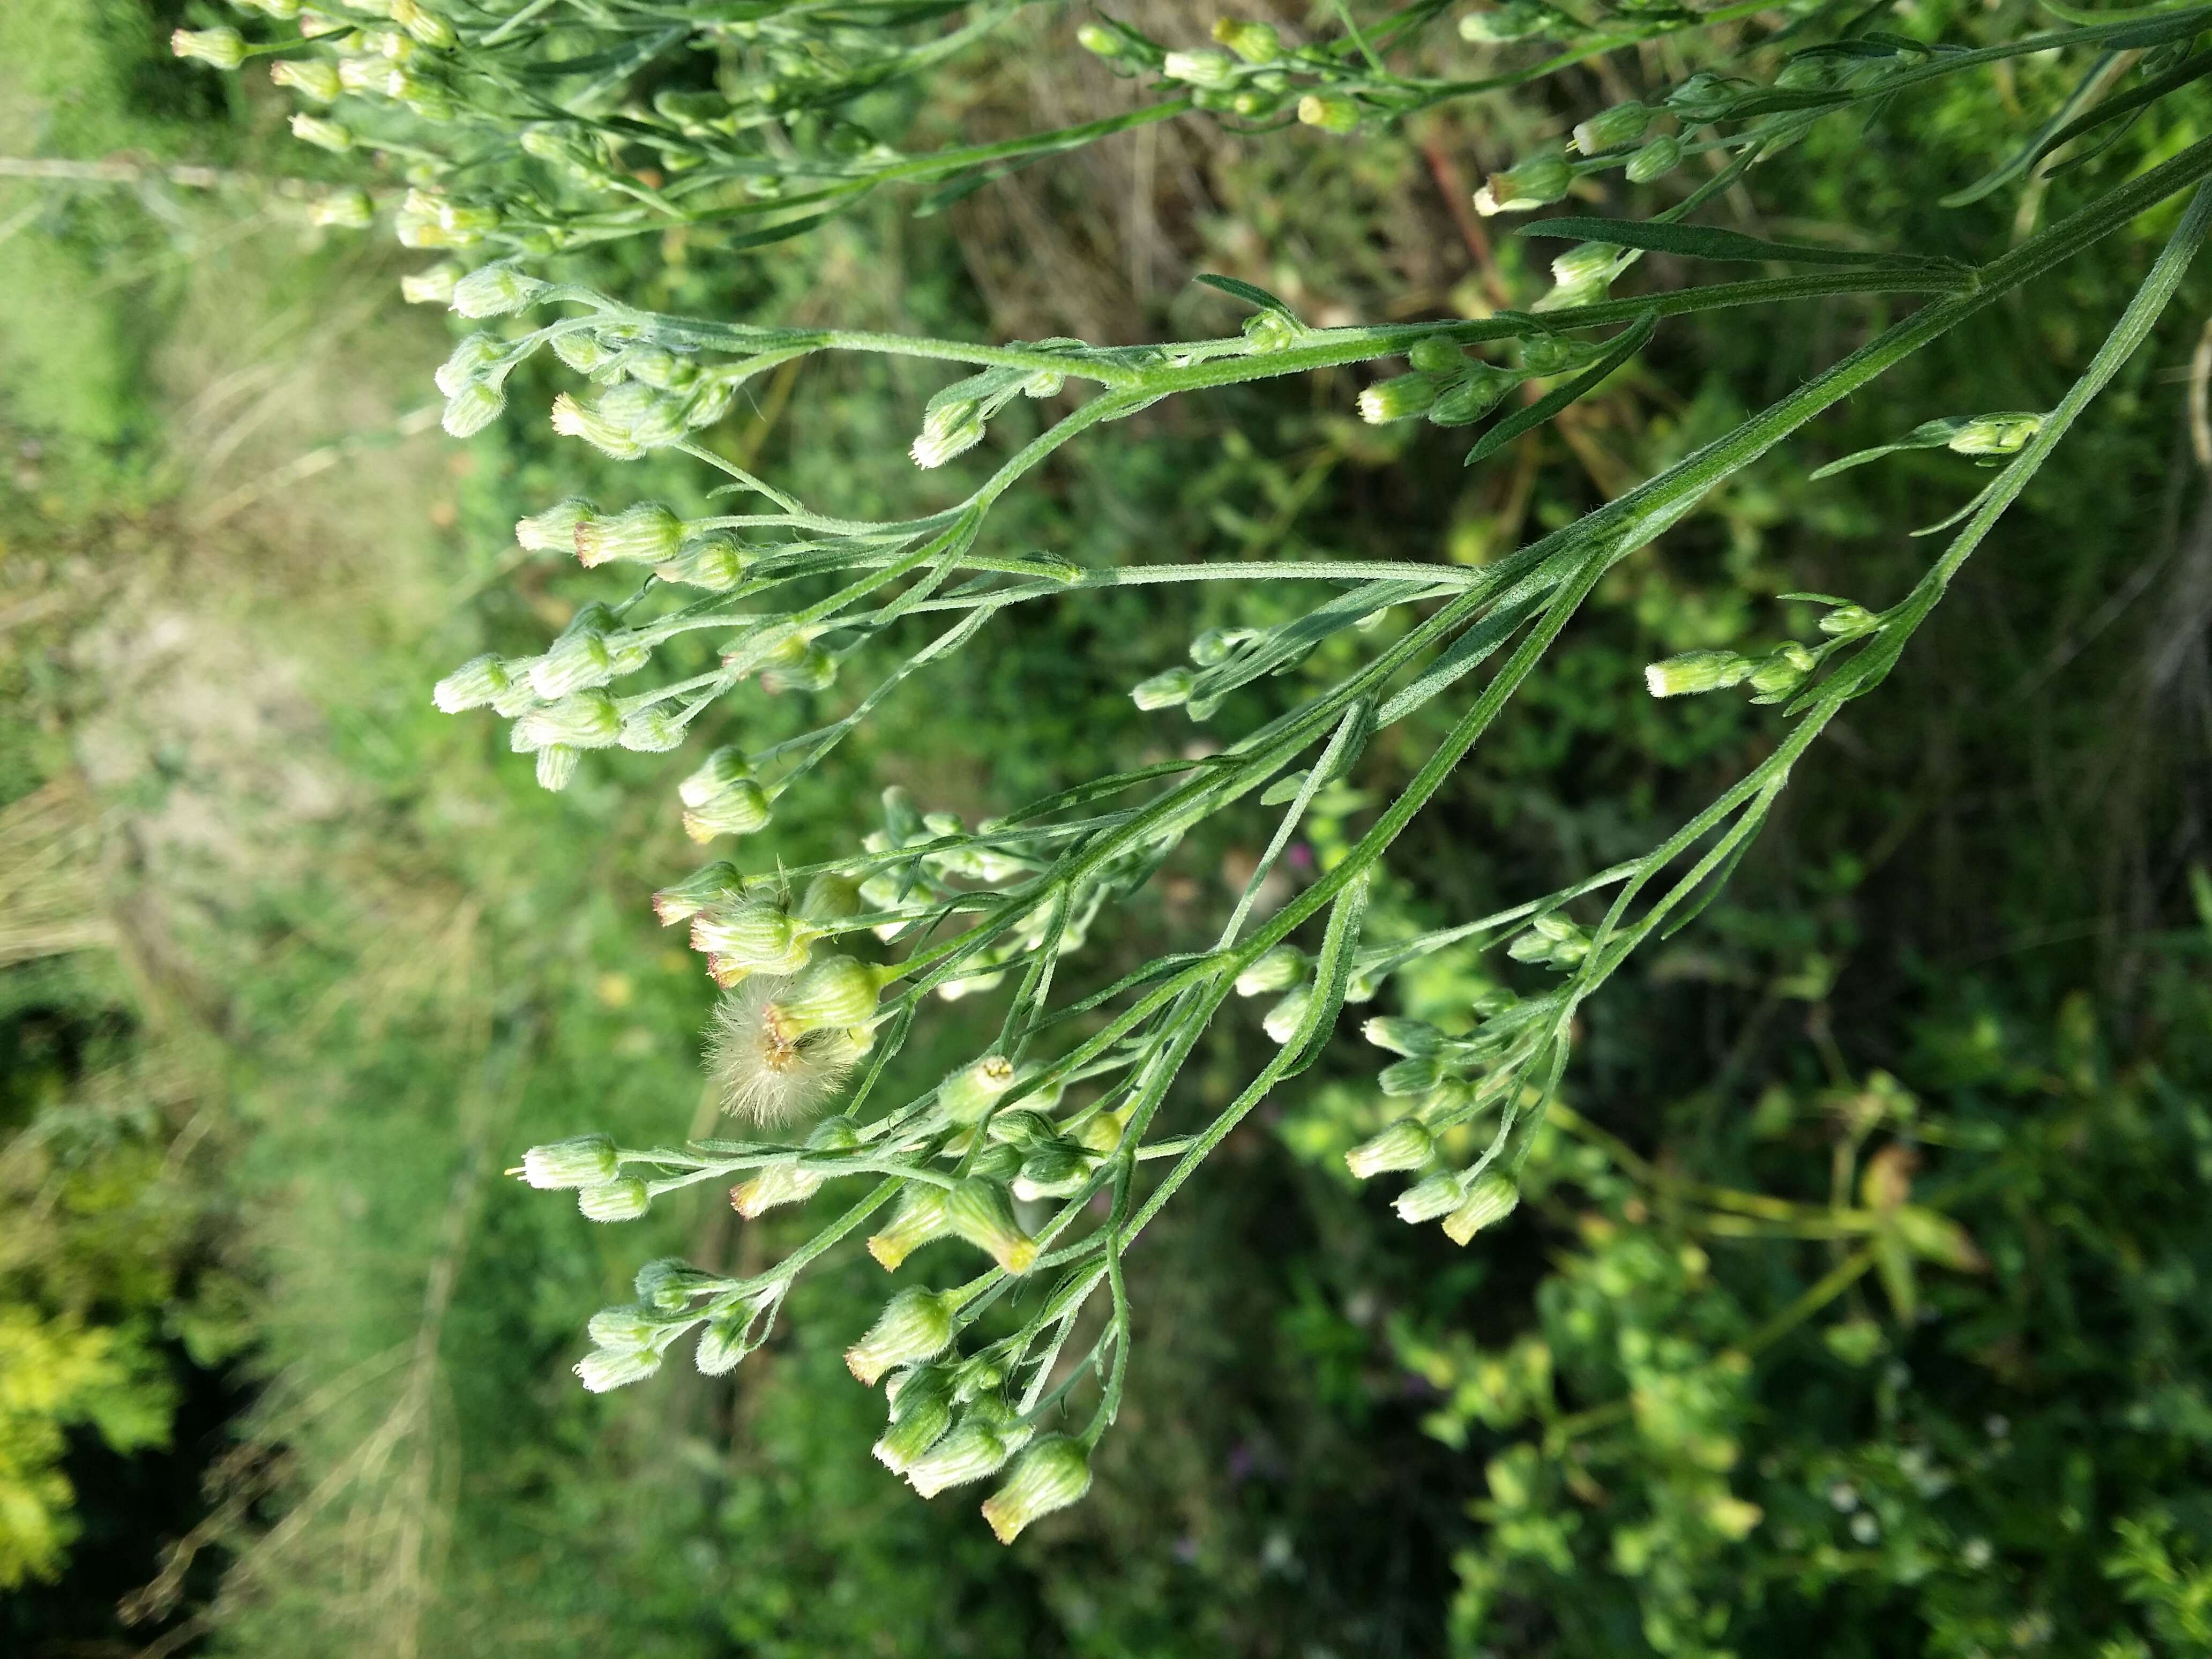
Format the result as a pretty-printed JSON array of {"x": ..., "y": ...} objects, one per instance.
[{"x": 291, "y": 966}]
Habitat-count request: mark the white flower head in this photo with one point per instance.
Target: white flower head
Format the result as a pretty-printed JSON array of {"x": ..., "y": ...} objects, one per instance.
[{"x": 765, "y": 1075}]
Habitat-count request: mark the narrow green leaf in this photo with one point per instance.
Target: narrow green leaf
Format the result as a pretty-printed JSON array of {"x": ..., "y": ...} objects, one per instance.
[
  {"x": 2023, "y": 158},
  {"x": 1250, "y": 294},
  {"x": 1710, "y": 242}
]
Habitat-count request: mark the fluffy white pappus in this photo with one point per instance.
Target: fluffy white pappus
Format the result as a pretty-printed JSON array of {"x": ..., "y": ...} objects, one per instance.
[{"x": 761, "y": 1075}]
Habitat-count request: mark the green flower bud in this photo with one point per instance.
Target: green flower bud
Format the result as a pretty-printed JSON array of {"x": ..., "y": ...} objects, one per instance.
[
  {"x": 1489, "y": 1199},
  {"x": 556, "y": 766},
  {"x": 581, "y": 657},
  {"x": 1482, "y": 388},
  {"x": 1412, "y": 1077},
  {"x": 472, "y": 409},
  {"x": 715, "y": 561},
  {"x": 1659, "y": 157},
  {"x": 470, "y": 361},
  {"x": 282, "y": 10},
  {"x": 1696, "y": 671},
  {"x": 739, "y": 810},
  {"x": 776, "y": 1184},
  {"x": 472, "y": 685},
  {"x": 1271, "y": 331},
  {"x": 1254, "y": 42},
  {"x": 1995, "y": 434},
  {"x": 1202, "y": 68},
  {"x": 1437, "y": 355},
  {"x": 757, "y": 935},
  {"x": 1102, "y": 1133},
  {"x": 1278, "y": 971},
  {"x": 1782, "y": 671},
  {"x": 709, "y": 884},
  {"x": 1022, "y": 1126},
  {"x": 1332, "y": 111},
  {"x": 624, "y": 1199},
  {"x": 494, "y": 290},
  {"x": 978, "y": 1448},
  {"x": 1281, "y": 1022},
  {"x": 315, "y": 25},
  {"x": 638, "y": 535},
  {"x": 554, "y": 531},
  {"x": 1054, "y": 1170},
  {"x": 625, "y": 1329},
  {"x": 1163, "y": 691},
  {"x": 603, "y": 1368},
  {"x": 728, "y": 1338},
  {"x": 949, "y": 429},
  {"x": 1399, "y": 399},
  {"x": 1430, "y": 1200},
  {"x": 426, "y": 26},
  {"x": 668, "y": 1284},
  {"x": 433, "y": 287},
  {"x": 1404, "y": 1145},
  {"x": 1705, "y": 97},
  {"x": 343, "y": 210},
  {"x": 584, "y": 1161},
  {"x": 1623, "y": 123},
  {"x": 1413, "y": 1038},
  {"x": 979, "y": 1211},
  {"x": 967, "y": 1095},
  {"x": 916, "y": 1325},
  {"x": 585, "y": 352},
  {"x": 921, "y": 1218},
  {"x": 223, "y": 48},
  {"x": 718, "y": 774},
  {"x": 921, "y": 1414},
  {"x": 1589, "y": 265},
  {"x": 1052, "y": 1474},
  {"x": 1849, "y": 622},
  {"x": 312, "y": 78},
  {"x": 830, "y": 898},
  {"x": 323, "y": 135},
  {"x": 815, "y": 671},
  {"x": 1531, "y": 183},
  {"x": 1504, "y": 24},
  {"x": 831, "y": 992},
  {"x": 1098, "y": 39},
  {"x": 582, "y": 719}
]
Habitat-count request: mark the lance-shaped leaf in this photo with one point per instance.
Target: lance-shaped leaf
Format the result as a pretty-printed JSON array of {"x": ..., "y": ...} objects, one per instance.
[{"x": 1710, "y": 242}]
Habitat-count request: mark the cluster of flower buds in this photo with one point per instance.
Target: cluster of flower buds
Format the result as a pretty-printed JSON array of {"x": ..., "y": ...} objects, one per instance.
[
  {"x": 1446, "y": 385},
  {"x": 756, "y": 930},
  {"x": 628, "y": 1342},
  {"x": 1774, "y": 676},
  {"x": 1285, "y": 973},
  {"x": 952, "y": 422}
]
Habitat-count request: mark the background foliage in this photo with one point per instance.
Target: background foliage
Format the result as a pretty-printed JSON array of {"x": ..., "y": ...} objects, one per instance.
[{"x": 294, "y": 965}]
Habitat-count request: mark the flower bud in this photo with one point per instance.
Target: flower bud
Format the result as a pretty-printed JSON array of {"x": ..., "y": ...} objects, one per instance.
[
  {"x": 584, "y": 1161},
  {"x": 1102, "y": 1133},
  {"x": 920, "y": 1413},
  {"x": 1696, "y": 671},
  {"x": 830, "y": 898},
  {"x": 1412, "y": 1077},
  {"x": 1399, "y": 399},
  {"x": 344, "y": 210},
  {"x": 949, "y": 429},
  {"x": 1849, "y": 622},
  {"x": 1782, "y": 669},
  {"x": 638, "y": 535},
  {"x": 1504, "y": 24},
  {"x": 585, "y": 351},
  {"x": 311, "y": 78},
  {"x": 718, "y": 774},
  {"x": 582, "y": 719},
  {"x": 967, "y": 1095},
  {"x": 323, "y": 135},
  {"x": 1430, "y": 1200},
  {"x": 433, "y": 287},
  {"x": 554, "y": 531},
  {"x": 610, "y": 437},
  {"x": 426, "y": 26},
  {"x": 1659, "y": 157},
  {"x": 625, "y": 1329},
  {"x": 979, "y": 1211},
  {"x": 223, "y": 48},
  {"x": 1021, "y": 1126},
  {"x": 1254, "y": 42},
  {"x": 1332, "y": 111},
  {"x": 1481, "y": 388},
  {"x": 1278, "y": 971},
  {"x": 1531, "y": 183},
  {"x": 916, "y": 1325},
  {"x": 604, "y": 1367},
  {"x": 1203, "y": 68},
  {"x": 654, "y": 731},
  {"x": 1163, "y": 691},
  {"x": 715, "y": 561},
  {"x": 979, "y": 1447},
  {"x": 728, "y": 1338},
  {"x": 1281, "y": 1023},
  {"x": 815, "y": 671},
  {"x": 1098, "y": 39},
  {"x": 668, "y": 1284},
  {"x": 1437, "y": 355},
  {"x": 472, "y": 409},
  {"x": 921, "y": 1218},
  {"x": 494, "y": 290},
  {"x": 1995, "y": 434},
  {"x": 1489, "y": 1199},
  {"x": 472, "y": 685},
  {"x": 1588, "y": 265},
  {"x": 1413, "y": 1038},
  {"x": 775, "y": 1184},
  {"x": 1609, "y": 129},
  {"x": 1054, "y": 1170},
  {"x": 622, "y": 1200},
  {"x": 1052, "y": 1474},
  {"x": 739, "y": 810},
  {"x": 556, "y": 766},
  {"x": 579, "y": 658},
  {"x": 1404, "y": 1145},
  {"x": 316, "y": 25},
  {"x": 831, "y": 992},
  {"x": 709, "y": 884},
  {"x": 1705, "y": 97},
  {"x": 754, "y": 935},
  {"x": 470, "y": 361}
]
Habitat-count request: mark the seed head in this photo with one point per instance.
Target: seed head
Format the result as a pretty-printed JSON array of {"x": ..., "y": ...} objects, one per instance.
[{"x": 763, "y": 1070}]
